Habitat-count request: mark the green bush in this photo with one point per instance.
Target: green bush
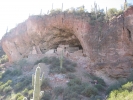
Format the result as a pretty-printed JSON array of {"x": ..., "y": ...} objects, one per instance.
[
  {"x": 98, "y": 79},
  {"x": 7, "y": 72},
  {"x": 55, "y": 11},
  {"x": 19, "y": 96},
  {"x": 58, "y": 90},
  {"x": 113, "y": 87},
  {"x": 45, "y": 83},
  {"x": 111, "y": 12},
  {"x": 70, "y": 76},
  {"x": 25, "y": 92},
  {"x": 99, "y": 87},
  {"x": 89, "y": 91},
  {"x": 7, "y": 89},
  {"x": 46, "y": 96},
  {"x": 123, "y": 93},
  {"x": 16, "y": 72},
  {"x": 97, "y": 97},
  {"x": 3, "y": 59},
  {"x": 54, "y": 62},
  {"x": 30, "y": 93},
  {"x": 1, "y": 76},
  {"x": 70, "y": 95},
  {"x": 5, "y": 86},
  {"x": 24, "y": 82},
  {"x": 128, "y": 86},
  {"x": 22, "y": 62},
  {"x": 72, "y": 82}
]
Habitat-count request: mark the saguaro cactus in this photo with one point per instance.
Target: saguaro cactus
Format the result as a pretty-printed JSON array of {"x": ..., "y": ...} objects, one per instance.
[
  {"x": 125, "y": 5},
  {"x": 36, "y": 82}
]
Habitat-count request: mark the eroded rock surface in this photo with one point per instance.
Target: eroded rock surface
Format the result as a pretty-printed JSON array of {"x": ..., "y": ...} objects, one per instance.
[{"x": 108, "y": 46}]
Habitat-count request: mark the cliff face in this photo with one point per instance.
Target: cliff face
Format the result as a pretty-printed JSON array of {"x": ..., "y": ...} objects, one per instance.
[{"x": 108, "y": 46}]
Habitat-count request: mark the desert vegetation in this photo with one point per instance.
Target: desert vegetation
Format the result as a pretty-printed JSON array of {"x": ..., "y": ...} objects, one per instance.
[{"x": 64, "y": 80}]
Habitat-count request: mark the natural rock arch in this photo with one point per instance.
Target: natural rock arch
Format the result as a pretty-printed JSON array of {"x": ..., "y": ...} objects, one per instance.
[{"x": 46, "y": 32}]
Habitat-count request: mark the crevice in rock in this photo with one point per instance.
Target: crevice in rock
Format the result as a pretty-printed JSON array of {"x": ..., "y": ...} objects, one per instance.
[{"x": 129, "y": 35}]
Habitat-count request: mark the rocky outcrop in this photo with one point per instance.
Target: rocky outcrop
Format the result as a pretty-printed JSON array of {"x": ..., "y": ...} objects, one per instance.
[{"x": 108, "y": 45}]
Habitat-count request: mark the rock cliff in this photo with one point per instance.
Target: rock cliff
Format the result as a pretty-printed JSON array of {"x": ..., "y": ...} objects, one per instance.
[{"x": 108, "y": 45}]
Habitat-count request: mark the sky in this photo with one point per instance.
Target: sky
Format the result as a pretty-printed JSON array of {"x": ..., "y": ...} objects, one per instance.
[{"x": 13, "y": 12}]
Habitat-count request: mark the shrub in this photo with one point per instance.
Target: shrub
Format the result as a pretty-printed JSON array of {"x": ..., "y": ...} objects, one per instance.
[
  {"x": 128, "y": 86},
  {"x": 7, "y": 89},
  {"x": 113, "y": 87},
  {"x": 22, "y": 62},
  {"x": 5, "y": 86},
  {"x": 22, "y": 83},
  {"x": 58, "y": 90},
  {"x": 3, "y": 59},
  {"x": 16, "y": 72},
  {"x": 30, "y": 93},
  {"x": 97, "y": 97},
  {"x": 70, "y": 95},
  {"x": 19, "y": 96},
  {"x": 45, "y": 83},
  {"x": 111, "y": 12},
  {"x": 99, "y": 80},
  {"x": 99, "y": 87},
  {"x": 25, "y": 91},
  {"x": 123, "y": 93},
  {"x": 72, "y": 82},
  {"x": 55, "y": 11},
  {"x": 54, "y": 62},
  {"x": 70, "y": 76},
  {"x": 46, "y": 96},
  {"x": 7, "y": 72},
  {"x": 0, "y": 75},
  {"x": 89, "y": 91}
]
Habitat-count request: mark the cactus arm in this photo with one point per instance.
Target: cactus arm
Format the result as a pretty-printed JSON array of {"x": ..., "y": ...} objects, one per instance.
[
  {"x": 33, "y": 76},
  {"x": 36, "y": 93}
]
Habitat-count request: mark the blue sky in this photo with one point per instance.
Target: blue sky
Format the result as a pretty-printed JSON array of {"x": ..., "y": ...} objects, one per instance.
[{"x": 13, "y": 12}]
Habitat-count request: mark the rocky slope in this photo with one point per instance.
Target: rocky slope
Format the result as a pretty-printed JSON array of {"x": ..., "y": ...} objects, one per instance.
[{"x": 108, "y": 46}]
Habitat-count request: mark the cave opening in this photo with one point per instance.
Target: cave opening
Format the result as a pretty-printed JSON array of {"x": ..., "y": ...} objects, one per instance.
[
  {"x": 62, "y": 38},
  {"x": 129, "y": 35}
]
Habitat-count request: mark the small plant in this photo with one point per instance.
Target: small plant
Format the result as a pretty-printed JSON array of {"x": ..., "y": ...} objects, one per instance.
[
  {"x": 70, "y": 95},
  {"x": 19, "y": 96},
  {"x": 7, "y": 89},
  {"x": 58, "y": 90},
  {"x": 99, "y": 87},
  {"x": 25, "y": 91},
  {"x": 30, "y": 93},
  {"x": 96, "y": 97},
  {"x": 46, "y": 96},
  {"x": 71, "y": 76},
  {"x": 72, "y": 82},
  {"x": 89, "y": 91},
  {"x": 3, "y": 59},
  {"x": 45, "y": 83}
]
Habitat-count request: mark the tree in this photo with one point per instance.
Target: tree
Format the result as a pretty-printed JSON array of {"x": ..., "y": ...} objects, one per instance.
[{"x": 111, "y": 12}]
